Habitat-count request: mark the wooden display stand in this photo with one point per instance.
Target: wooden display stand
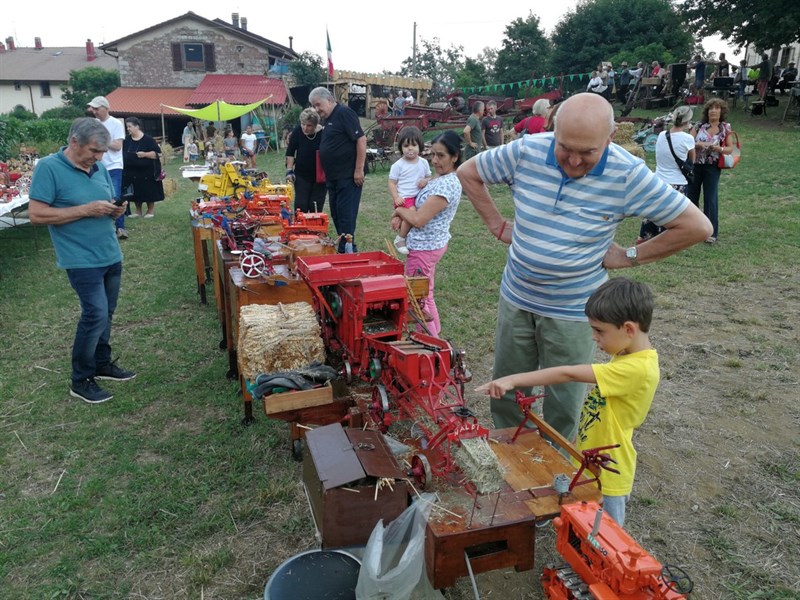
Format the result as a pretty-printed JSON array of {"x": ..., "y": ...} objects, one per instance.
[
  {"x": 498, "y": 530},
  {"x": 201, "y": 236},
  {"x": 223, "y": 262}
]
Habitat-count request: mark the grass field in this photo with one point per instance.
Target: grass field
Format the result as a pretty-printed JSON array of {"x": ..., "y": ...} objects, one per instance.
[{"x": 161, "y": 493}]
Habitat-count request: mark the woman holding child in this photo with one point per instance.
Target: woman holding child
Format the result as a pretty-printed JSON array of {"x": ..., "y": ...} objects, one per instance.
[{"x": 430, "y": 218}]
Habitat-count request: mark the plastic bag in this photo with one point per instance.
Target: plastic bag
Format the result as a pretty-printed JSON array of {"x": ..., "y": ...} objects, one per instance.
[{"x": 393, "y": 567}]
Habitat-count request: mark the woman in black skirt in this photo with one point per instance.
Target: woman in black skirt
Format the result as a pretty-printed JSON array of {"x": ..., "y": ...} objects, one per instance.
[
  {"x": 142, "y": 168},
  {"x": 301, "y": 163}
]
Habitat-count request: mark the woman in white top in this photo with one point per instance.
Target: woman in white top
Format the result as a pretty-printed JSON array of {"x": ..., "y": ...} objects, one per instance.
[{"x": 666, "y": 166}]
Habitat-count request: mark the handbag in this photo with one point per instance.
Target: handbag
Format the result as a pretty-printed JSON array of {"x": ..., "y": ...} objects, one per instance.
[
  {"x": 127, "y": 192},
  {"x": 320, "y": 172},
  {"x": 686, "y": 167},
  {"x": 728, "y": 161}
]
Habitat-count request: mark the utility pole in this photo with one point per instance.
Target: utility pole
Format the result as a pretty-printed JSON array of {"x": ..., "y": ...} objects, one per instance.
[{"x": 414, "y": 52}]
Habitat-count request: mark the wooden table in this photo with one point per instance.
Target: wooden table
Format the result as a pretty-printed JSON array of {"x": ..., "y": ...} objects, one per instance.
[
  {"x": 261, "y": 290},
  {"x": 201, "y": 237},
  {"x": 500, "y": 532},
  {"x": 224, "y": 261}
]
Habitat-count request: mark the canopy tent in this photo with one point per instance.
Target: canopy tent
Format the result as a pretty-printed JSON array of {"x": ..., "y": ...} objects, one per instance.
[{"x": 220, "y": 111}]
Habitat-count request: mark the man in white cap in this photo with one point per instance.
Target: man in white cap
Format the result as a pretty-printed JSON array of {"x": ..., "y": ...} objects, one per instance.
[{"x": 112, "y": 159}]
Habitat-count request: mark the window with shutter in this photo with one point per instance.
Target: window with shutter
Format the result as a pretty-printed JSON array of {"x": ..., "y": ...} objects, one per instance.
[{"x": 193, "y": 57}]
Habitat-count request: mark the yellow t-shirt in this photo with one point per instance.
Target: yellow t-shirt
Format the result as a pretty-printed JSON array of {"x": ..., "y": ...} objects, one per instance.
[{"x": 616, "y": 406}]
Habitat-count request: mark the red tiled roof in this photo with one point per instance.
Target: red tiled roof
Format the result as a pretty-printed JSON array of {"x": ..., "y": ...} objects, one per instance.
[
  {"x": 238, "y": 89},
  {"x": 148, "y": 101}
]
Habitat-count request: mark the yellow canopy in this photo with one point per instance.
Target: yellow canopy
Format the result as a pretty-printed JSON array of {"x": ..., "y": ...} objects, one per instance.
[{"x": 219, "y": 110}]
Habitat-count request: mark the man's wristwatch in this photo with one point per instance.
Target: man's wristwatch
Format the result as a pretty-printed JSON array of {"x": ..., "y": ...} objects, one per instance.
[{"x": 632, "y": 254}]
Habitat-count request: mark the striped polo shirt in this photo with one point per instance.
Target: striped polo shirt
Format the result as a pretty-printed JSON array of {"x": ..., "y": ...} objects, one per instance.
[{"x": 563, "y": 226}]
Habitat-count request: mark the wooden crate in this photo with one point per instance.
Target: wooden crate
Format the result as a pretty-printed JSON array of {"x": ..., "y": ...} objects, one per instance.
[{"x": 340, "y": 470}]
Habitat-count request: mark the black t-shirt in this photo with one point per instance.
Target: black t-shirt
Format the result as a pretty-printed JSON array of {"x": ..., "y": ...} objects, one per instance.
[
  {"x": 304, "y": 151},
  {"x": 337, "y": 151}
]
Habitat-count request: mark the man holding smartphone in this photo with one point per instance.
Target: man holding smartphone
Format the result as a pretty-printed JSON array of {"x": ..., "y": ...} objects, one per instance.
[{"x": 72, "y": 193}]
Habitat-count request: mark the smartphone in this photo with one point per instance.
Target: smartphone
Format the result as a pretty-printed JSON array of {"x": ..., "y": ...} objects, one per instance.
[{"x": 119, "y": 201}]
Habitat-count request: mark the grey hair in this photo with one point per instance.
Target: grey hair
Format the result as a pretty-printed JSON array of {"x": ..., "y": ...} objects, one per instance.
[
  {"x": 682, "y": 115},
  {"x": 540, "y": 107},
  {"x": 476, "y": 108},
  {"x": 320, "y": 93},
  {"x": 309, "y": 115},
  {"x": 85, "y": 130}
]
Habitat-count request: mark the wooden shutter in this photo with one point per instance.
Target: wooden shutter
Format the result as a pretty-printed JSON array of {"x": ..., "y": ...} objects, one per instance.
[
  {"x": 177, "y": 57},
  {"x": 208, "y": 56}
]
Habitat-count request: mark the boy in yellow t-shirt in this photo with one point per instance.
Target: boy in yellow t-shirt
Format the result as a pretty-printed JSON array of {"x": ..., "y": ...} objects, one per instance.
[{"x": 619, "y": 313}]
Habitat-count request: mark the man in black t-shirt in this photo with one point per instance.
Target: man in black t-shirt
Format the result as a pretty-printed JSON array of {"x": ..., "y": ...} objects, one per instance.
[
  {"x": 342, "y": 152},
  {"x": 492, "y": 126}
]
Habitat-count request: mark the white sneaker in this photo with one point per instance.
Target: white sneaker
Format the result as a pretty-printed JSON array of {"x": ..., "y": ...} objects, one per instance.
[{"x": 400, "y": 244}]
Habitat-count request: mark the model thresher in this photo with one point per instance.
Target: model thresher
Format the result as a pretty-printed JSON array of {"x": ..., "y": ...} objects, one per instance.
[
  {"x": 605, "y": 563},
  {"x": 362, "y": 304}
]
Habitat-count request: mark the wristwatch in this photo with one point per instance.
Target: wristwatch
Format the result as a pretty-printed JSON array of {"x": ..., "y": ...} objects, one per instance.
[{"x": 632, "y": 254}]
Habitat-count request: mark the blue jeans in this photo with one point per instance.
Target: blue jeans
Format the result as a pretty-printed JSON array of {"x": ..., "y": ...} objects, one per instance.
[
  {"x": 116, "y": 179},
  {"x": 707, "y": 178},
  {"x": 526, "y": 341},
  {"x": 98, "y": 290},
  {"x": 344, "y": 198}
]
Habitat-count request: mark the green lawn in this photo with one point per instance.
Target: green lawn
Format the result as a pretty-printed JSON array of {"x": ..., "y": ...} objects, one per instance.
[{"x": 161, "y": 493}]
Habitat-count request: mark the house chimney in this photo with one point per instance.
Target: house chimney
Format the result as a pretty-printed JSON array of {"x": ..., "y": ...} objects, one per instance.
[
  {"x": 10, "y": 43},
  {"x": 290, "y": 42},
  {"x": 244, "y": 23},
  {"x": 37, "y": 43},
  {"x": 235, "y": 20},
  {"x": 90, "y": 53}
]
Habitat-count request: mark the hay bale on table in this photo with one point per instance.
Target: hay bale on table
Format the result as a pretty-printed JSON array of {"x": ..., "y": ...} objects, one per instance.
[
  {"x": 625, "y": 133},
  {"x": 279, "y": 337},
  {"x": 634, "y": 149}
]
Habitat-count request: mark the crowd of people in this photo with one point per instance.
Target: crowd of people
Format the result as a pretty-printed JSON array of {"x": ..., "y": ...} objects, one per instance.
[{"x": 555, "y": 302}]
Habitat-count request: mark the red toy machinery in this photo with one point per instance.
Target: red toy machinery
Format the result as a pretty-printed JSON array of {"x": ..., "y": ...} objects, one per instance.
[
  {"x": 605, "y": 563},
  {"x": 362, "y": 302}
]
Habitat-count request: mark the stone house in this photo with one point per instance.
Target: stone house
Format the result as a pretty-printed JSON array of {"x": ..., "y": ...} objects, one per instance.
[{"x": 176, "y": 61}]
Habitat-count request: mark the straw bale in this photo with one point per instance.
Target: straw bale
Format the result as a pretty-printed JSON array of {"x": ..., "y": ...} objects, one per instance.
[
  {"x": 278, "y": 337},
  {"x": 479, "y": 463},
  {"x": 625, "y": 133},
  {"x": 634, "y": 149},
  {"x": 170, "y": 187}
]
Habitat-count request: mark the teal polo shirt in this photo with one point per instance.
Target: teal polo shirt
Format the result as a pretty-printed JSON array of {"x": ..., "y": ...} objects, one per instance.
[{"x": 88, "y": 242}]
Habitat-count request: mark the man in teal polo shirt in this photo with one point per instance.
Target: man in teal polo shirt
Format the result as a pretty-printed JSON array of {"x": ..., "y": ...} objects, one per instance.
[{"x": 72, "y": 193}]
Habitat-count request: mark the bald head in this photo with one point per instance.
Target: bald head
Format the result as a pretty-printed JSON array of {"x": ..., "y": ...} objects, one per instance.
[
  {"x": 587, "y": 110},
  {"x": 584, "y": 128}
]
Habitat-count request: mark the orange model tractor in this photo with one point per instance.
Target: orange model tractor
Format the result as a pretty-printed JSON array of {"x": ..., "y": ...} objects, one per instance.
[{"x": 605, "y": 563}]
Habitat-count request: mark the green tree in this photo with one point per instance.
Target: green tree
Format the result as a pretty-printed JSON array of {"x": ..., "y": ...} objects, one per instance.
[
  {"x": 599, "y": 30},
  {"x": 64, "y": 112},
  {"x": 440, "y": 65},
  {"x": 525, "y": 51},
  {"x": 764, "y": 23},
  {"x": 308, "y": 70},
  {"x": 473, "y": 74},
  {"x": 85, "y": 84}
]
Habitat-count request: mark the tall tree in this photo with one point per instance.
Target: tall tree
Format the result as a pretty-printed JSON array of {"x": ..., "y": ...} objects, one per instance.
[
  {"x": 440, "y": 65},
  {"x": 598, "y": 30},
  {"x": 764, "y": 23},
  {"x": 525, "y": 51},
  {"x": 473, "y": 74},
  {"x": 308, "y": 70},
  {"x": 85, "y": 84}
]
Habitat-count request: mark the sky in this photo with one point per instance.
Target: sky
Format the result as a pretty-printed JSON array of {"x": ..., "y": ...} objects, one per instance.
[{"x": 367, "y": 40}]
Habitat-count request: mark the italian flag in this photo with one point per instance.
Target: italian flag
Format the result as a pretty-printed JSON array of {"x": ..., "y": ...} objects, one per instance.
[{"x": 330, "y": 55}]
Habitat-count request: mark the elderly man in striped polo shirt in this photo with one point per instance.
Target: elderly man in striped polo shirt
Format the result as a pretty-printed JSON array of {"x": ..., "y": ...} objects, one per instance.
[{"x": 571, "y": 189}]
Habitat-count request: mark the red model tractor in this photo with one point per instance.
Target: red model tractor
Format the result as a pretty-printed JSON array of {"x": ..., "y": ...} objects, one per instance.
[{"x": 605, "y": 563}]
